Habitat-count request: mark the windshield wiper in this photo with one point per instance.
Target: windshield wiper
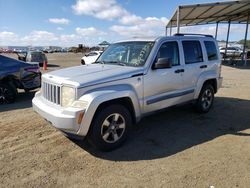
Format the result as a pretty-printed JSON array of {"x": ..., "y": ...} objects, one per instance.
[
  {"x": 99, "y": 62},
  {"x": 116, "y": 62}
]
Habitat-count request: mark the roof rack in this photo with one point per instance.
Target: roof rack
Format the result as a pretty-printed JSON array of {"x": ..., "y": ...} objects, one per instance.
[{"x": 184, "y": 34}]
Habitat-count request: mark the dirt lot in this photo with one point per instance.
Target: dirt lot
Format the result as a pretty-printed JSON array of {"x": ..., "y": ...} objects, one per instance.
[{"x": 174, "y": 148}]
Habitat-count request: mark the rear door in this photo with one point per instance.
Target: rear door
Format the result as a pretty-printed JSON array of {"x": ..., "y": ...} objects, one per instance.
[{"x": 195, "y": 63}]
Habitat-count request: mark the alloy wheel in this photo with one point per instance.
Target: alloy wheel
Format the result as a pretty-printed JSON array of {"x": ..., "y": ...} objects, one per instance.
[{"x": 113, "y": 127}]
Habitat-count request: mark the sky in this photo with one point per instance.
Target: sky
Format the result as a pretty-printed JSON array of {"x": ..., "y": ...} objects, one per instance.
[{"x": 89, "y": 22}]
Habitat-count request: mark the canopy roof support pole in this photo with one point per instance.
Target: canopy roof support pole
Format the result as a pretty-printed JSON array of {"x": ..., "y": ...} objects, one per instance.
[
  {"x": 245, "y": 42},
  {"x": 166, "y": 31},
  {"x": 171, "y": 28},
  {"x": 216, "y": 31},
  {"x": 228, "y": 30},
  {"x": 178, "y": 20}
]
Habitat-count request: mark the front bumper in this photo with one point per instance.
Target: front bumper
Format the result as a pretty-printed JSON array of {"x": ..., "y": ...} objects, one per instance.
[{"x": 64, "y": 119}]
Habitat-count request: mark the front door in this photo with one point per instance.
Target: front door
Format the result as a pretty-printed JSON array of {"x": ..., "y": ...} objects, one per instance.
[{"x": 162, "y": 87}]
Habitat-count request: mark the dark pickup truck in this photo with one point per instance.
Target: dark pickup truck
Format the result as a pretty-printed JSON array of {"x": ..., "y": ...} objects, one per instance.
[{"x": 15, "y": 74}]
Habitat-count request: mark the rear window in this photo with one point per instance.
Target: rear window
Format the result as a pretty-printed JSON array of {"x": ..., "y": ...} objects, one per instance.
[
  {"x": 37, "y": 57},
  {"x": 211, "y": 50},
  {"x": 192, "y": 52}
]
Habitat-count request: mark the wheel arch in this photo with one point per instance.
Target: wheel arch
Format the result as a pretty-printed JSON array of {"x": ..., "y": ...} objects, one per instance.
[
  {"x": 124, "y": 101},
  {"x": 99, "y": 99},
  {"x": 205, "y": 80}
]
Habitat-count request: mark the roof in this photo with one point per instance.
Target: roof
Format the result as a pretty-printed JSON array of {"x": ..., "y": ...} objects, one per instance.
[
  {"x": 210, "y": 13},
  {"x": 140, "y": 39},
  {"x": 104, "y": 43},
  {"x": 175, "y": 37}
]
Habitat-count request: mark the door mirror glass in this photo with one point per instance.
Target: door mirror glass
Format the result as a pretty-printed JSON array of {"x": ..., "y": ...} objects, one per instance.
[{"x": 163, "y": 63}]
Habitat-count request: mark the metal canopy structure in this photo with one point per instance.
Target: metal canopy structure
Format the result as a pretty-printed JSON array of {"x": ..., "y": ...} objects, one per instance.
[
  {"x": 211, "y": 13},
  {"x": 231, "y": 12}
]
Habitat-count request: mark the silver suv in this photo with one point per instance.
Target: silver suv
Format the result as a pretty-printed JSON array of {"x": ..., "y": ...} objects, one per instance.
[
  {"x": 130, "y": 80},
  {"x": 231, "y": 52}
]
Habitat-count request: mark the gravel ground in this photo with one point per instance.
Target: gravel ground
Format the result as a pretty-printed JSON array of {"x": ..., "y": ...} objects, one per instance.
[{"x": 174, "y": 148}]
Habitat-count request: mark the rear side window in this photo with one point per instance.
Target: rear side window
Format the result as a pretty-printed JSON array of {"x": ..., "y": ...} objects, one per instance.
[
  {"x": 169, "y": 50},
  {"x": 192, "y": 52},
  {"x": 211, "y": 50}
]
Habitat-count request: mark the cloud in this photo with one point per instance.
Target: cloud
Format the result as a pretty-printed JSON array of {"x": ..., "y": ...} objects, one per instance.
[
  {"x": 7, "y": 37},
  {"x": 130, "y": 24},
  {"x": 88, "y": 36},
  {"x": 130, "y": 19},
  {"x": 222, "y": 30},
  {"x": 90, "y": 31},
  {"x": 102, "y": 9},
  {"x": 63, "y": 21},
  {"x": 150, "y": 26},
  {"x": 39, "y": 38}
]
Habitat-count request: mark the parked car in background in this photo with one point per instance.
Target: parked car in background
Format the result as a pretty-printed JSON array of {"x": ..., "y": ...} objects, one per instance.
[
  {"x": 130, "y": 79},
  {"x": 90, "y": 57},
  {"x": 15, "y": 74},
  {"x": 231, "y": 52},
  {"x": 33, "y": 56}
]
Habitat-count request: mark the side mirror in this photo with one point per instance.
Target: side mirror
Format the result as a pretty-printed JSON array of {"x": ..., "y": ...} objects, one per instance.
[{"x": 163, "y": 63}]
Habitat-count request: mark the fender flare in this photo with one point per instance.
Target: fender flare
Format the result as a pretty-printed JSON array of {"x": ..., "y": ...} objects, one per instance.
[
  {"x": 202, "y": 79},
  {"x": 96, "y": 97}
]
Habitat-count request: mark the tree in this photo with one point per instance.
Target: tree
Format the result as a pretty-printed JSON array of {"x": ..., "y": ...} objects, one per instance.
[{"x": 247, "y": 43}]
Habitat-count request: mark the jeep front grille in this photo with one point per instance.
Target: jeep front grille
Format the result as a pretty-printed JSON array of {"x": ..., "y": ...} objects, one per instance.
[{"x": 51, "y": 92}]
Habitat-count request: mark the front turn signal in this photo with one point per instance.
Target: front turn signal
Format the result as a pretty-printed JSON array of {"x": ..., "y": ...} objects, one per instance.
[{"x": 80, "y": 117}]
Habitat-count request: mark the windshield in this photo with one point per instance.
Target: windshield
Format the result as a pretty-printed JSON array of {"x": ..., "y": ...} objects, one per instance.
[{"x": 126, "y": 54}]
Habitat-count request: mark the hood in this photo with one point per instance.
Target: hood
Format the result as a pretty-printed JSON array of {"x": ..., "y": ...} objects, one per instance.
[{"x": 82, "y": 76}]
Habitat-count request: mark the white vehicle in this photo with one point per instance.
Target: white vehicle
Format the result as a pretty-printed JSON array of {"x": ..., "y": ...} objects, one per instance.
[
  {"x": 90, "y": 57},
  {"x": 130, "y": 80},
  {"x": 231, "y": 52}
]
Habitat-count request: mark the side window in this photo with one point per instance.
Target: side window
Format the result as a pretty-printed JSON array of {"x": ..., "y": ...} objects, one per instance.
[
  {"x": 192, "y": 52},
  {"x": 169, "y": 50},
  {"x": 211, "y": 50}
]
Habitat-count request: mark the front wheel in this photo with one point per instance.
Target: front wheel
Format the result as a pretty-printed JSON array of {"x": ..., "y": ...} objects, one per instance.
[
  {"x": 7, "y": 93},
  {"x": 206, "y": 98},
  {"x": 109, "y": 128},
  {"x": 82, "y": 62}
]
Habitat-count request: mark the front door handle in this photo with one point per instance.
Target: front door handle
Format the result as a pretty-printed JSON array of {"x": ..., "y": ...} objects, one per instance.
[
  {"x": 203, "y": 66},
  {"x": 179, "y": 71}
]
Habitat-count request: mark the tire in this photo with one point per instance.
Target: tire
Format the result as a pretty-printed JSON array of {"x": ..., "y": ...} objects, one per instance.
[
  {"x": 206, "y": 99},
  {"x": 110, "y": 127},
  {"x": 82, "y": 62},
  {"x": 8, "y": 93}
]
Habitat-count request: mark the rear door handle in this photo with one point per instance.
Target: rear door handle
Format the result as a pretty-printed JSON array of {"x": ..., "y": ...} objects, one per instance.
[
  {"x": 179, "y": 71},
  {"x": 203, "y": 66}
]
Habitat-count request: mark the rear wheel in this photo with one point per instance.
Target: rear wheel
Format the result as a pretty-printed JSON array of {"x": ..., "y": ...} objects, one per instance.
[
  {"x": 8, "y": 93},
  {"x": 82, "y": 62},
  {"x": 109, "y": 128},
  {"x": 206, "y": 98}
]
